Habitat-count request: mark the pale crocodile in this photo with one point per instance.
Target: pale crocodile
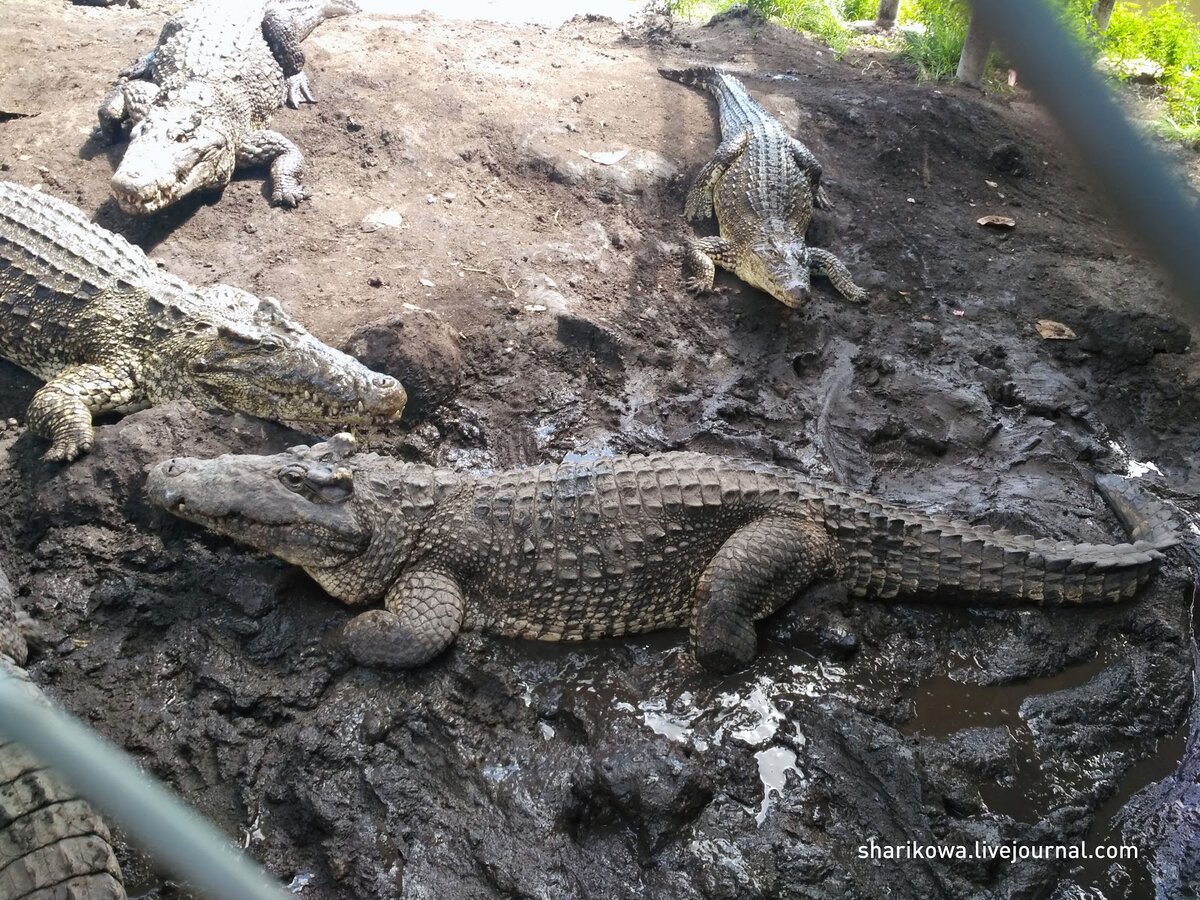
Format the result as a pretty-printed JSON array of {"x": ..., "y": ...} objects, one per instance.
[
  {"x": 619, "y": 545},
  {"x": 198, "y": 104},
  {"x": 761, "y": 185},
  {"x": 106, "y": 329}
]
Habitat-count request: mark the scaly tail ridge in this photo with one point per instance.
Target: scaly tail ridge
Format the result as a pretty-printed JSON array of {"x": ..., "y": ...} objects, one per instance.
[
  {"x": 890, "y": 552},
  {"x": 1146, "y": 519}
]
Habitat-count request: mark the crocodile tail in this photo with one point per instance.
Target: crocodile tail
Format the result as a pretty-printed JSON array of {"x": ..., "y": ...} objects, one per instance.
[
  {"x": 891, "y": 552},
  {"x": 699, "y": 76},
  {"x": 1146, "y": 519},
  {"x": 52, "y": 843}
]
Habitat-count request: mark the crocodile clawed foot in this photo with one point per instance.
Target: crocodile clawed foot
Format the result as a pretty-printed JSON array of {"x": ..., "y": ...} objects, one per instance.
[
  {"x": 696, "y": 287},
  {"x": 298, "y": 91},
  {"x": 289, "y": 199},
  {"x": 66, "y": 451},
  {"x": 696, "y": 211}
]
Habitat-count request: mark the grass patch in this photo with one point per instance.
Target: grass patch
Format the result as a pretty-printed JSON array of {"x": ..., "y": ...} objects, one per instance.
[
  {"x": 1166, "y": 34},
  {"x": 822, "y": 19},
  {"x": 935, "y": 51}
]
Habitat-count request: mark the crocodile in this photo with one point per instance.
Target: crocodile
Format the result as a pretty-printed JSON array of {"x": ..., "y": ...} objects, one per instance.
[
  {"x": 88, "y": 313},
  {"x": 761, "y": 185},
  {"x": 198, "y": 104},
  {"x": 618, "y": 545},
  {"x": 52, "y": 843}
]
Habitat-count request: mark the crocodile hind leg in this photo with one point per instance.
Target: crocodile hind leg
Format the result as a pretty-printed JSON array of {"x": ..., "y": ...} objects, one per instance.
[
  {"x": 812, "y": 169},
  {"x": 700, "y": 198},
  {"x": 700, "y": 261},
  {"x": 424, "y": 613},
  {"x": 63, "y": 408},
  {"x": 759, "y": 569},
  {"x": 126, "y": 102},
  {"x": 831, "y": 267},
  {"x": 285, "y": 25},
  {"x": 260, "y": 148}
]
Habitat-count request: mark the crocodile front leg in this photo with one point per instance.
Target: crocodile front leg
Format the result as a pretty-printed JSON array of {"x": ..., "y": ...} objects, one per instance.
[
  {"x": 141, "y": 67},
  {"x": 126, "y": 102},
  {"x": 701, "y": 259},
  {"x": 63, "y": 409},
  {"x": 757, "y": 570},
  {"x": 700, "y": 198},
  {"x": 423, "y": 616},
  {"x": 839, "y": 276},
  {"x": 263, "y": 147}
]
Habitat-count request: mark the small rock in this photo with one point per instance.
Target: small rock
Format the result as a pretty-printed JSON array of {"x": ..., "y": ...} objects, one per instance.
[{"x": 375, "y": 281}]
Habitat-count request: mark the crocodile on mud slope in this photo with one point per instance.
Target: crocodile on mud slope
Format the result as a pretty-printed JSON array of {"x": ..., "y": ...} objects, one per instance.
[
  {"x": 198, "y": 104},
  {"x": 106, "y": 329},
  {"x": 53, "y": 845},
  {"x": 762, "y": 185},
  {"x": 619, "y": 545}
]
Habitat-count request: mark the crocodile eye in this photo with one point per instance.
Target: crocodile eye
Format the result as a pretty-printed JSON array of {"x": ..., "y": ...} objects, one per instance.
[
  {"x": 271, "y": 345},
  {"x": 293, "y": 479}
]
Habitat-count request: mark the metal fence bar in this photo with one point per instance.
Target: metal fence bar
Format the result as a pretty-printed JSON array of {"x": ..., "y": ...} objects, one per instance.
[
  {"x": 1137, "y": 179},
  {"x": 156, "y": 820}
]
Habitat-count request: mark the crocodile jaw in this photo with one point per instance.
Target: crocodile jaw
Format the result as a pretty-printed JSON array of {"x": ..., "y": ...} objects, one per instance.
[
  {"x": 246, "y": 498},
  {"x": 168, "y": 159},
  {"x": 782, "y": 272},
  {"x": 270, "y": 366}
]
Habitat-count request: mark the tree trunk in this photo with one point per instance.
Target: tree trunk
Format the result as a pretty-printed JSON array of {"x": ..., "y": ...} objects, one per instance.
[
  {"x": 887, "y": 13},
  {"x": 973, "y": 62},
  {"x": 1102, "y": 13}
]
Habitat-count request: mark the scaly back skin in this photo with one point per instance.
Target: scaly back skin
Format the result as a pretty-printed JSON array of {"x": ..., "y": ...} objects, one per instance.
[
  {"x": 72, "y": 292},
  {"x": 52, "y": 843},
  {"x": 106, "y": 329},
  {"x": 761, "y": 185},
  {"x": 619, "y": 545},
  {"x": 768, "y": 159},
  {"x": 632, "y": 544},
  {"x": 221, "y": 42}
]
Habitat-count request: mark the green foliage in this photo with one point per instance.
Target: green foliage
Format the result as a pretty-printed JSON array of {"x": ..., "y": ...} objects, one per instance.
[
  {"x": 820, "y": 18},
  {"x": 857, "y": 10},
  {"x": 1169, "y": 36},
  {"x": 935, "y": 51},
  {"x": 1166, "y": 34},
  {"x": 815, "y": 17}
]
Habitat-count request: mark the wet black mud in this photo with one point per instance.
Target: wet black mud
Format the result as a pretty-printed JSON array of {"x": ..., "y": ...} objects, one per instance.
[{"x": 553, "y": 323}]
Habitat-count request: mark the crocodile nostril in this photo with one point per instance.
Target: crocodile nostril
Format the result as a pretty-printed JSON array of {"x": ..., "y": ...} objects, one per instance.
[
  {"x": 384, "y": 381},
  {"x": 172, "y": 468}
]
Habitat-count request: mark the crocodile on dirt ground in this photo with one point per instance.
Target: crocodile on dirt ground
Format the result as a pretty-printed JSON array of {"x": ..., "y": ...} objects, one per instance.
[
  {"x": 620, "y": 545},
  {"x": 761, "y": 185},
  {"x": 106, "y": 329},
  {"x": 198, "y": 104},
  {"x": 53, "y": 845}
]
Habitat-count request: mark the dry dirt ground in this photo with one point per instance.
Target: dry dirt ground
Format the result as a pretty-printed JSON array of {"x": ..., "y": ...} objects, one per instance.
[{"x": 531, "y": 299}]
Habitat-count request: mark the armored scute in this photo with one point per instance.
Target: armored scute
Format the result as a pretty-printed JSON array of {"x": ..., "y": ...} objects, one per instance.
[
  {"x": 106, "y": 329},
  {"x": 761, "y": 185},
  {"x": 620, "y": 545},
  {"x": 198, "y": 104}
]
